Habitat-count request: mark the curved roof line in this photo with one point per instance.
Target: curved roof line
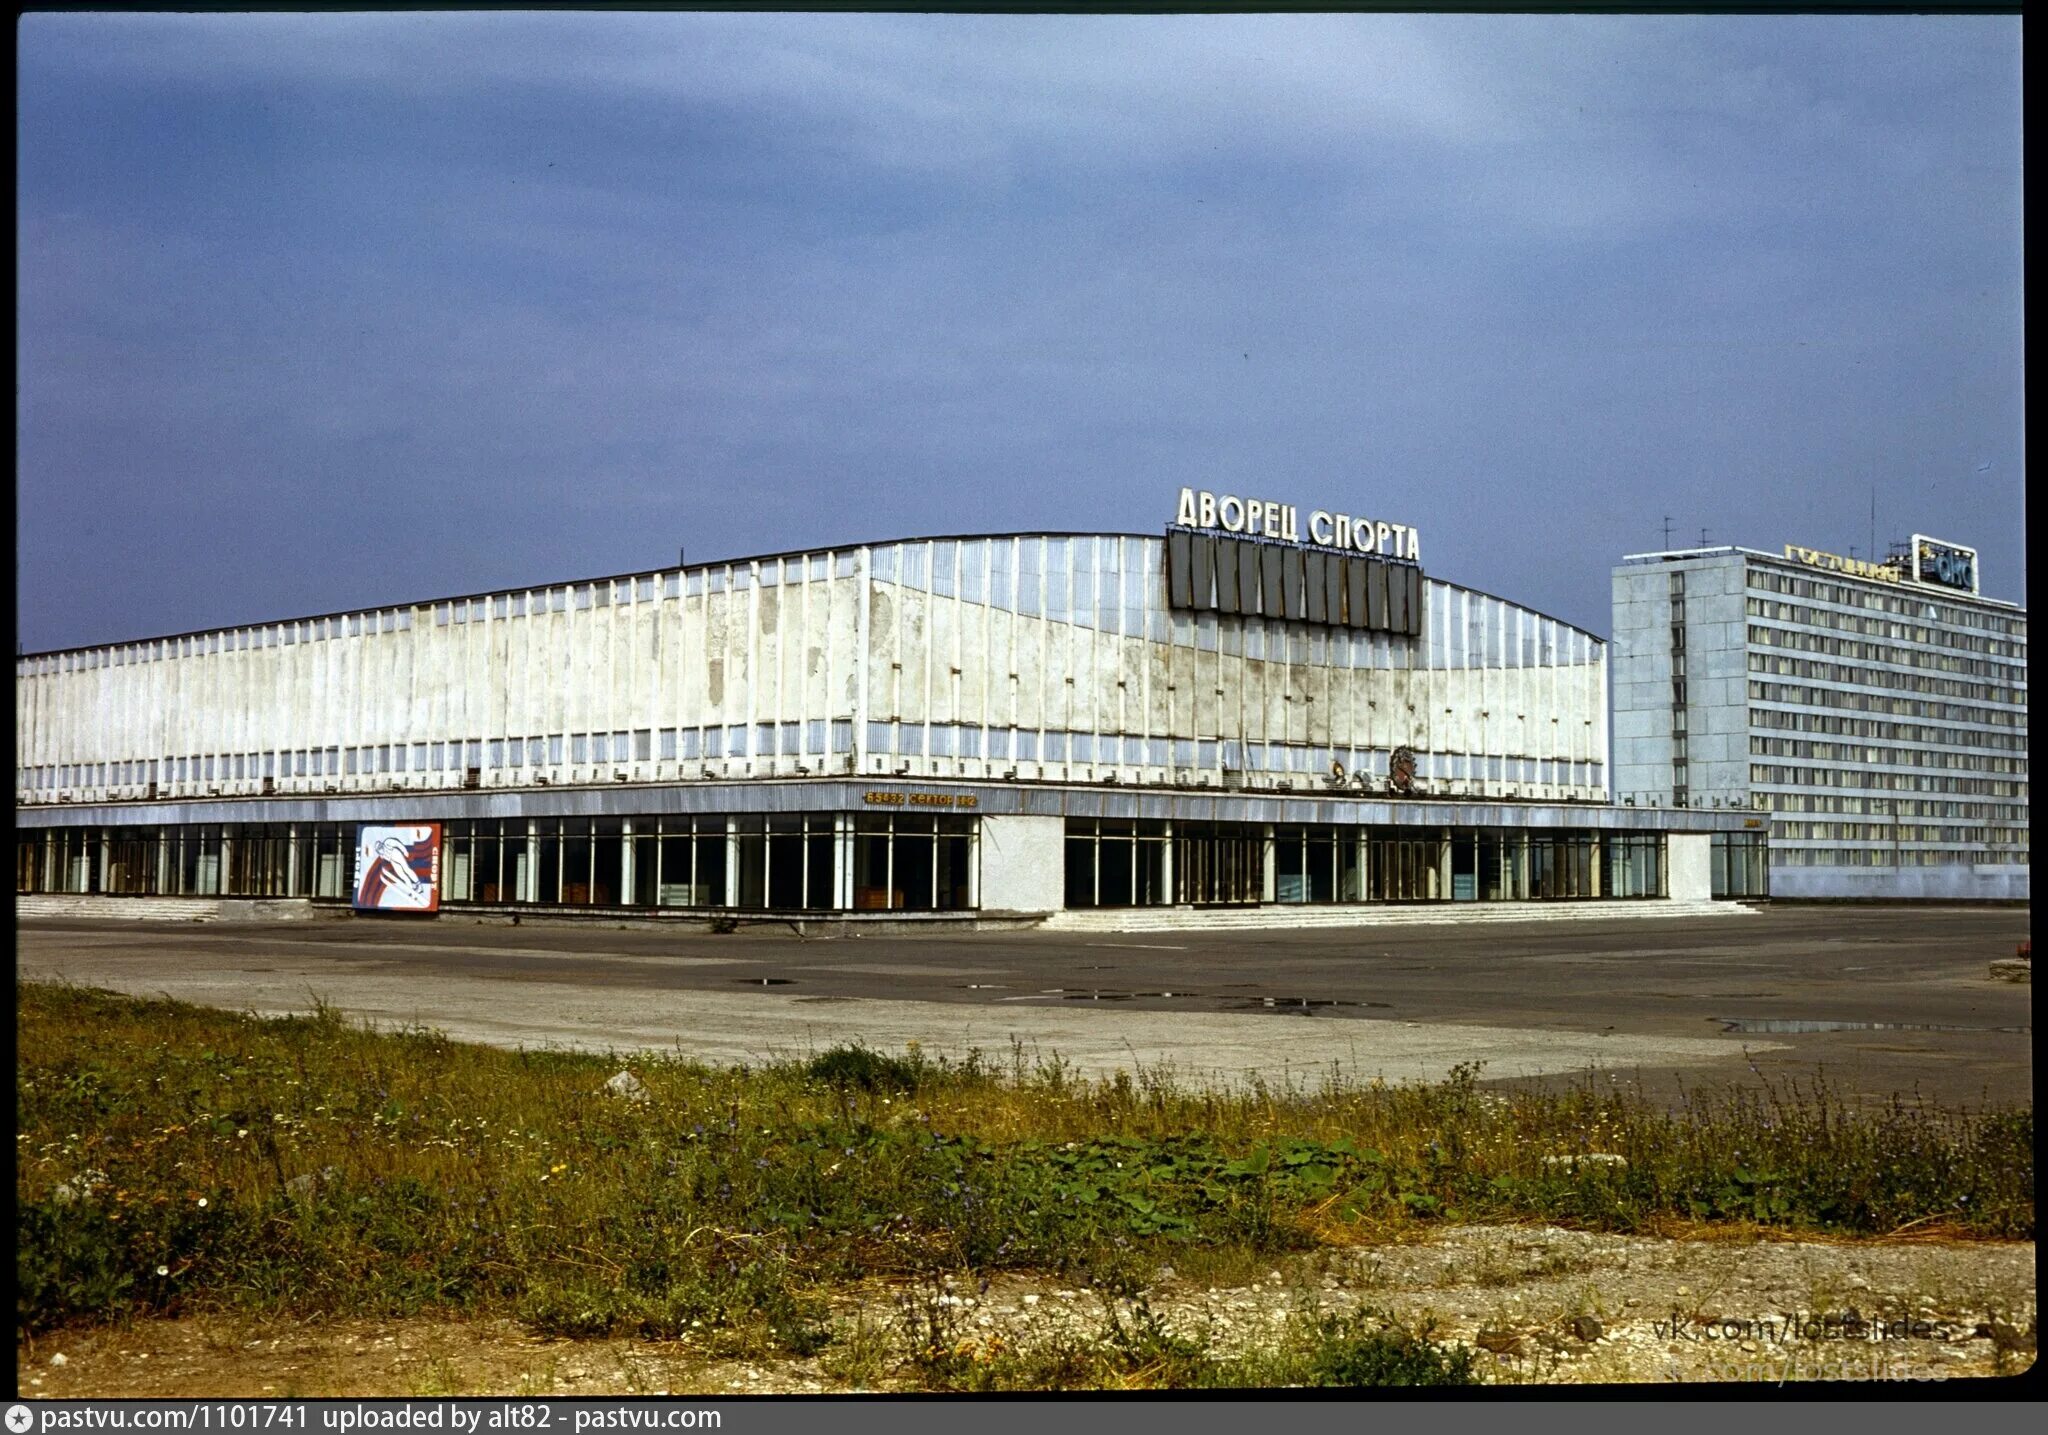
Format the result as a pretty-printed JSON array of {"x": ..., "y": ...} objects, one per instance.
[{"x": 742, "y": 559}]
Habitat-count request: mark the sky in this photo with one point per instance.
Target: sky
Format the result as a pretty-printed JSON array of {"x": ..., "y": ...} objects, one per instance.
[{"x": 321, "y": 311}]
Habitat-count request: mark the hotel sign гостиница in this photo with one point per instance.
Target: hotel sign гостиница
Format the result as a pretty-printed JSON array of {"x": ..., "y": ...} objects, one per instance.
[{"x": 1850, "y": 567}]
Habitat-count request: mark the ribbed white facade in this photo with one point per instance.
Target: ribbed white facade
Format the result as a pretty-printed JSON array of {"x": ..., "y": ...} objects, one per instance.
[{"x": 1021, "y": 658}]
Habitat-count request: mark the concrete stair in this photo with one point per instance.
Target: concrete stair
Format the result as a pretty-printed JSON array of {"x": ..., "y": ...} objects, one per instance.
[{"x": 1445, "y": 914}]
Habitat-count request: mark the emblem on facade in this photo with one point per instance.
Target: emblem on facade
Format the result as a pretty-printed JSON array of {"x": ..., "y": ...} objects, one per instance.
[{"x": 1401, "y": 770}]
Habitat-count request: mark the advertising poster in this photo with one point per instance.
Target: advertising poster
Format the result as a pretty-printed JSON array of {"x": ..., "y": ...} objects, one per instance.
[
  {"x": 1949, "y": 564},
  {"x": 398, "y": 869}
]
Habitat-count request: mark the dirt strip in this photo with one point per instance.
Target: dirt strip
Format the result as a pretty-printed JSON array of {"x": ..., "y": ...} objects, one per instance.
[{"x": 1540, "y": 1305}]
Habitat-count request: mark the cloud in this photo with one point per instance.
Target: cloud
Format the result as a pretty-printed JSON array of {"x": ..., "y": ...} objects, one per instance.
[{"x": 568, "y": 289}]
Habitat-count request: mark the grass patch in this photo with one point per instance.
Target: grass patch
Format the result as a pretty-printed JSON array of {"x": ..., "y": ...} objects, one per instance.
[{"x": 172, "y": 1158}]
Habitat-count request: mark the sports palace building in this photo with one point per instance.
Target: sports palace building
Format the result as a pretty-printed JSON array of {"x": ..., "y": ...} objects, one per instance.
[{"x": 1257, "y": 707}]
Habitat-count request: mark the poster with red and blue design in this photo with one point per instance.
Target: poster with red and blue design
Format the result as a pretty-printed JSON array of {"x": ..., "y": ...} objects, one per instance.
[{"x": 398, "y": 869}]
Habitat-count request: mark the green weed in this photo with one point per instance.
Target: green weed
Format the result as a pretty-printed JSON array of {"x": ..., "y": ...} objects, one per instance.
[{"x": 173, "y": 1159}]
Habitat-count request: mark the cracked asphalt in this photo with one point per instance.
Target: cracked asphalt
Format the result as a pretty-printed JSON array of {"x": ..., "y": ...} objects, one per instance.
[{"x": 1658, "y": 1002}]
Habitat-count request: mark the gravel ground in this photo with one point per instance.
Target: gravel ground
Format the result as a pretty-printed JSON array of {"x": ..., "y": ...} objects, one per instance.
[{"x": 1542, "y": 1305}]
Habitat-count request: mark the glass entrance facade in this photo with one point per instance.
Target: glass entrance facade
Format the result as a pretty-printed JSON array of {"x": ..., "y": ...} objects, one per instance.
[
  {"x": 1136, "y": 863},
  {"x": 786, "y": 862},
  {"x": 867, "y": 861}
]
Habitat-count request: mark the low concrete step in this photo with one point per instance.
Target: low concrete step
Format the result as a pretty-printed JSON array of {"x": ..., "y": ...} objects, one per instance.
[
  {"x": 1212, "y": 919},
  {"x": 101, "y": 907}
]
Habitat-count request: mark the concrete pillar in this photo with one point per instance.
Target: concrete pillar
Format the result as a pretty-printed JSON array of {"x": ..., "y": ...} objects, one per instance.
[
  {"x": 106, "y": 860},
  {"x": 1023, "y": 864},
  {"x": 626, "y": 888},
  {"x": 1689, "y": 866},
  {"x": 291, "y": 860},
  {"x": 1443, "y": 866},
  {"x": 1166, "y": 866},
  {"x": 163, "y": 861},
  {"x": 973, "y": 862},
  {"x": 1269, "y": 888},
  {"x": 842, "y": 861},
  {"x": 732, "y": 863},
  {"x": 530, "y": 879}
]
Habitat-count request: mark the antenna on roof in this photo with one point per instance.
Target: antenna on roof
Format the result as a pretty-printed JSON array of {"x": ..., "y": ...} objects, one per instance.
[
  {"x": 1703, "y": 538},
  {"x": 1667, "y": 533},
  {"x": 679, "y": 558}
]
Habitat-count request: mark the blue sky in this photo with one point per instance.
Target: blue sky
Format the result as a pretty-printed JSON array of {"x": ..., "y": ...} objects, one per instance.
[{"x": 320, "y": 311}]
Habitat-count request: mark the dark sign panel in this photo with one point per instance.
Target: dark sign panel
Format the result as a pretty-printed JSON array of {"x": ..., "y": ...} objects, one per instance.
[{"x": 1211, "y": 572}]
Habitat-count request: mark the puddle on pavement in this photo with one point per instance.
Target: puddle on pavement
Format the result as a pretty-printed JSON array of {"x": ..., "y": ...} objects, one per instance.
[
  {"x": 1120, "y": 996},
  {"x": 983, "y": 987},
  {"x": 765, "y": 981},
  {"x": 1305, "y": 1003},
  {"x": 1794, "y": 1026}
]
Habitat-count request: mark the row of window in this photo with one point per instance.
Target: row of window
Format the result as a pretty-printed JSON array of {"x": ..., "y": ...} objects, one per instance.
[
  {"x": 786, "y": 862},
  {"x": 1210, "y": 754},
  {"x": 1785, "y": 775},
  {"x": 793, "y": 862},
  {"x": 1893, "y": 633},
  {"x": 1904, "y": 604},
  {"x": 1906, "y": 807},
  {"x": 1826, "y": 696},
  {"x": 1788, "y": 856},
  {"x": 788, "y": 739},
  {"x": 1125, "y": 863},
  {"x": 1923, "y": 734},
  {"x": 856, "y": 862},
  {"x": 1880, "y": 756},
  {"x": 1801, "y": 831},
  {"x": 1765, "y": 636},
  {"x": 1837, "y": 673}
]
